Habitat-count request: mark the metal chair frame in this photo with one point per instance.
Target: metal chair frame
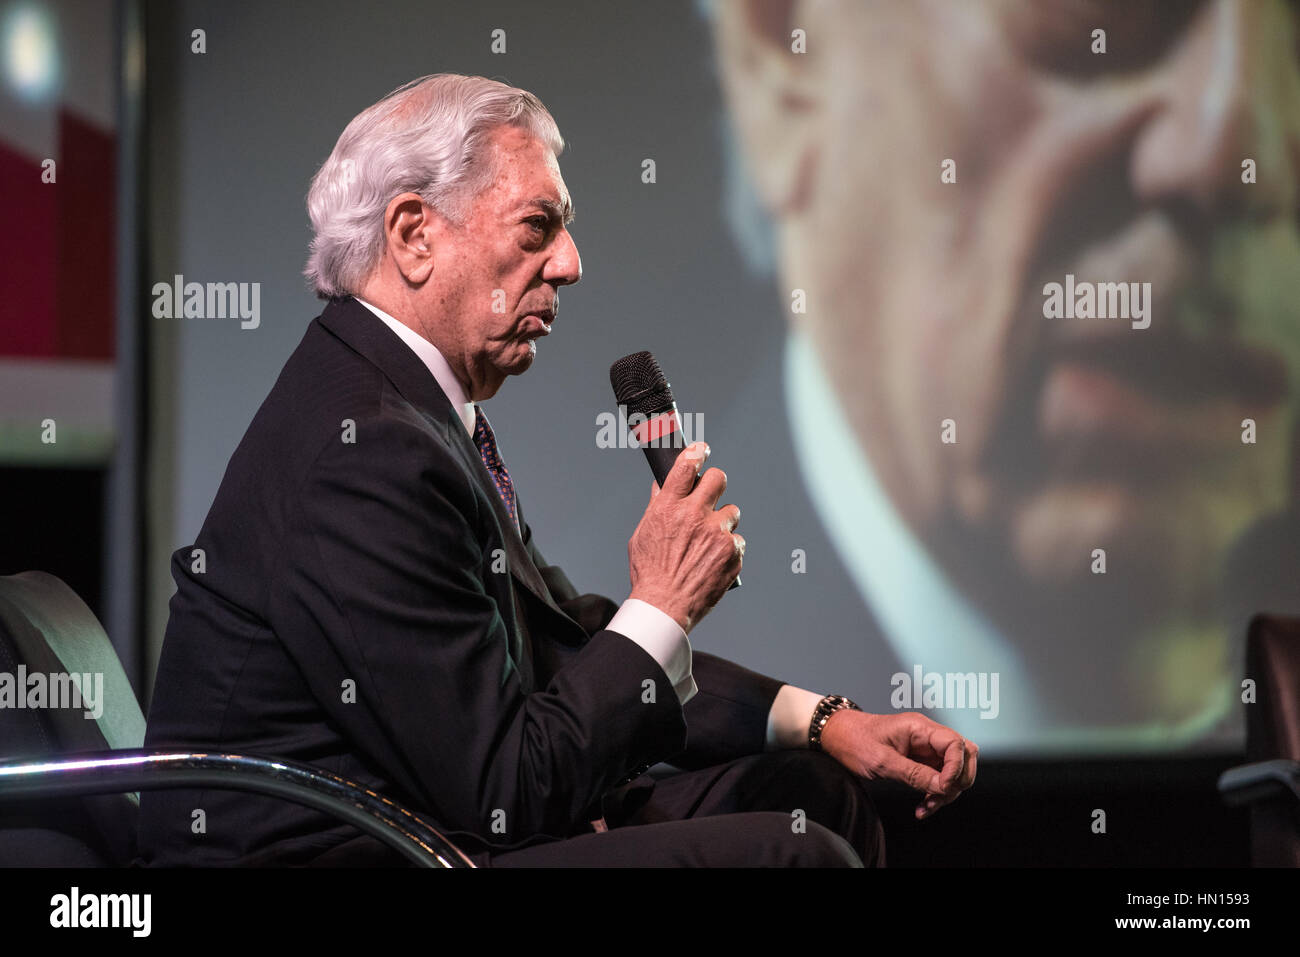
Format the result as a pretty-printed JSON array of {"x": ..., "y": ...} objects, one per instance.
[{"x": 125, "y": 771}]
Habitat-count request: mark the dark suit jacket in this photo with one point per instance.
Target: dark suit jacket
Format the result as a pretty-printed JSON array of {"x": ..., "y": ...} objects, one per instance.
[{"x": 358, "y": 599}]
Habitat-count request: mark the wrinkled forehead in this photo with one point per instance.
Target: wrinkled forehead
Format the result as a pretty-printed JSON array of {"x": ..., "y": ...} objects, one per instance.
[{"x": 529, "y": 172}]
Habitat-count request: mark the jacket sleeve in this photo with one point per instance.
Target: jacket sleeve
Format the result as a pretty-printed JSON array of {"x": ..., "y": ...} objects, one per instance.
[
  {"x": 727, "y": 717},
  {"x": 384, "y": 583}
]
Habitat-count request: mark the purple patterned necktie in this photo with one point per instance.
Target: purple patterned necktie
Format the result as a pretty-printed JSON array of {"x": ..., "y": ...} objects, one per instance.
[{"x": 487, "y": 450}]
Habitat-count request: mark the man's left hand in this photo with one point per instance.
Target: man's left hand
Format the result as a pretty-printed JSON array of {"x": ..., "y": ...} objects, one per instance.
[{"x": 906, "y": 747}]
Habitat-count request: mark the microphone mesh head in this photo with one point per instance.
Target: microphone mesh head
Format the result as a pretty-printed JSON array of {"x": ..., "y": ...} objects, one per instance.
[{"x": 639, "y": 384}]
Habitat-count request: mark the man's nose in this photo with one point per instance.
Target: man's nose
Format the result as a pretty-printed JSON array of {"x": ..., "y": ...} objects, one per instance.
[
  {"x": 1230, "y": 92},
  {"x": 564, "y": 267}
]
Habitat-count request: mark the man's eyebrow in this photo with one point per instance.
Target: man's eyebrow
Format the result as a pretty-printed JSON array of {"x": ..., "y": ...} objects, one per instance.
[{"x": 559, "y": 211}]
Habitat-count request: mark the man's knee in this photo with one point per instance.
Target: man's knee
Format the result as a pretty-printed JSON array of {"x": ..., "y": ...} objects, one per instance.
[
  {"x": 794, "y": 841},
  {"x": 829, "y": 849},
  {"x": 837, "y": 799}
]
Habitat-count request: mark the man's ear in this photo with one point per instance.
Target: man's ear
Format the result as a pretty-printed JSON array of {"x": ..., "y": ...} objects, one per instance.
[
  {"x": 770, "y": 75},
  {"x": 409, "y": 229}
]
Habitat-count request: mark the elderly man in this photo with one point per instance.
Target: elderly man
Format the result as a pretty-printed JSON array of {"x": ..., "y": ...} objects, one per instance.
[
  {"x": 1069, "y": 498},
  {"x": 366, "y": 595}
]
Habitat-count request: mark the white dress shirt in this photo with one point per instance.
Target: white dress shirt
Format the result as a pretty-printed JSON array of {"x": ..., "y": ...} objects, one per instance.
[{"x": 654, "y": 630}]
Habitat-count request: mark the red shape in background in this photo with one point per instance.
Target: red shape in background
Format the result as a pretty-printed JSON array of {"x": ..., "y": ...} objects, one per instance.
[
  {"x": 27, "y": 261},
  {"x": 87, "y": 235},
  {"x": 58, "y": 248}
]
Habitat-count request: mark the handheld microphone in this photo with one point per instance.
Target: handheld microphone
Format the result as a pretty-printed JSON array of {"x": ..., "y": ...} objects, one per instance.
[{"x": 640, "y": 385}]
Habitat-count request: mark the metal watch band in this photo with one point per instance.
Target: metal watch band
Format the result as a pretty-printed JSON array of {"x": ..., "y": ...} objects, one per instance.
[{"x": 825, "y": 708}]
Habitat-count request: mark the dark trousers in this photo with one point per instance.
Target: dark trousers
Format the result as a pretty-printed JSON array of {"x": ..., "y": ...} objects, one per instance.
[{"x": 778, "y": 809}]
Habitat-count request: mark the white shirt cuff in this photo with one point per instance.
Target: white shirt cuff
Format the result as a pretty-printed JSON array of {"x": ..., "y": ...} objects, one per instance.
[
  {"x": 790, "y": 718},
  {"x": 663, "y": 640}
]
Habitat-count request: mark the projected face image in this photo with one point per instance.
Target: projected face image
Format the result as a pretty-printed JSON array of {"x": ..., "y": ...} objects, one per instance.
[{"x": 1071, "y": 229}]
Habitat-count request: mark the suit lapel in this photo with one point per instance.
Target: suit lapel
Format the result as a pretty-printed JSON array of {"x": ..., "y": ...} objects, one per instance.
[
  {"x": 521, "y": 563},
  {"x": 366, "y": 334}
]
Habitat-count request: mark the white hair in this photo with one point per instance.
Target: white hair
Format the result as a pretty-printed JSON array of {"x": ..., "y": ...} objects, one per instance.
[{"x": 429, "y": 137}]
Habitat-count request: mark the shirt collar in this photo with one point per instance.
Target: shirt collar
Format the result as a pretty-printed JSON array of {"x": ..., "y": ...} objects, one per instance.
[{"x": 435, "y": 362}]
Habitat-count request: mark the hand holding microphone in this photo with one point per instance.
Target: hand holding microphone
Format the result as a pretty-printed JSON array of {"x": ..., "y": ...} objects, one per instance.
[{"x": 685, "y": 552}]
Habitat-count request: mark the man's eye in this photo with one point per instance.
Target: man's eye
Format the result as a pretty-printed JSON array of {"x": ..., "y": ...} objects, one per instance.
[
  {"x": 538, "y": 223},
  {"x": 1057, "y": 35}
]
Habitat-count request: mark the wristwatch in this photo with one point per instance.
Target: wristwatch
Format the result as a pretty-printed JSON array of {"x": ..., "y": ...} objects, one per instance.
[{"x": 825, "y": 708}]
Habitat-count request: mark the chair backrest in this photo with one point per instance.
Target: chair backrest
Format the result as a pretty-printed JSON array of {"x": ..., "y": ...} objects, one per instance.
[
  {"x": 1273, "y": 731},
  {"x": 47, "y": 636}
]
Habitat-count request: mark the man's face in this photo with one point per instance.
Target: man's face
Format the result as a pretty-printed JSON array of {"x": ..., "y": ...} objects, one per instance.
[
  {"x": 496, "y": 276},
  {"x": 926, "y": 298}
]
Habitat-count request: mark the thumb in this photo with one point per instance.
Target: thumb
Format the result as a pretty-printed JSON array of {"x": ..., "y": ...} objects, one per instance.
[{"x": 681, "y": 478}]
